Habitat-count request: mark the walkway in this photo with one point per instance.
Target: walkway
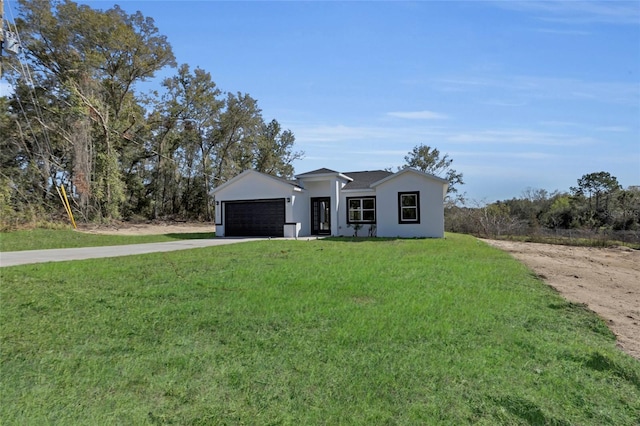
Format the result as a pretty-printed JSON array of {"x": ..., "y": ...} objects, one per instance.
[{"x": 13, "y": 258}]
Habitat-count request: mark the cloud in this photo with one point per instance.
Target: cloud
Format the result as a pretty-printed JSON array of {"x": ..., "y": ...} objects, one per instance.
[
  {"x": 418, "y": 115},
  {"x": 309, "y": 134},
  {"x": 620, "y": 129},
  {"x": 503, "y": 103},
  {"x": 586, "y": 127},
  {"x": 560, "y": 123},
  {"x": 579, "y": 12},
  {"x": 337, "y": 133},
  {"x": 562, "y": 32},
  {"x": 532, "y": 87},
  {"x": 519, "y": 137},
  {"x": 504, "y": 155},
  {"x": 382, "y": 152},
  {"x": 394, "y": 139}
]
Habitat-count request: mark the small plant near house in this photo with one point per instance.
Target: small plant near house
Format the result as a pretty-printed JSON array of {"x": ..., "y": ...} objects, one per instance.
[{"x": 356, "y": 227}]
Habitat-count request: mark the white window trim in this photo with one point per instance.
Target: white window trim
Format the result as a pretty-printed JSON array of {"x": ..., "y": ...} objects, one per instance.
[
  {"x": 401, "y": 207},
  {"x": 361, "y": 209}
]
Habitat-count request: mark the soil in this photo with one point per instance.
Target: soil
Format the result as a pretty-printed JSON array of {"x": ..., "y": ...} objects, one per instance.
[
  {"x": 606, "y": 280},
  {"x": 148, "y": 228}
]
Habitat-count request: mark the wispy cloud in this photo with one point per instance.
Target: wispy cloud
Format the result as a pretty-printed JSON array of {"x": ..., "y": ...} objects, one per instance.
[
  {"x": 503, "y": 103},
  {"x": 393, "y": 140},
  {"x": 311, "y": 133},
  {"x": 585, "y": 127},
  {"x": 531, "y": 87},
  {"x": 519, "y": 137},
  {"x": 418, "y": 115},
  {"x": 617, "y": 129},
  {"x": 578, "y": 12},
  {"x": 381, "y": 152},
  {"x": 562, "y": 32},
  {"x": 314, "y": 134},
  {"x": 504, "y": 155},
  {"x": 556, "y": 123}
]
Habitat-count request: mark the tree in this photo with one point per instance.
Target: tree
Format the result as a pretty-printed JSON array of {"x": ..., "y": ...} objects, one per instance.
[
  {"x": 238, "y": 129},
  {"x": 597, "y": 188},
  {"x": 429, "y": 160},
  {"x": 187, "y": 116},
  {"x": 76, "y": 118},
  {"x": 90, "y": 60},
  {"x": 273, "y": 152}
]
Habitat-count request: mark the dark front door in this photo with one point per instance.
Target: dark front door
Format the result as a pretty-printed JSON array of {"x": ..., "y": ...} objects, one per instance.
[
  {"x": 256, "y": 218},
  {"x": 321, "y": 216}
]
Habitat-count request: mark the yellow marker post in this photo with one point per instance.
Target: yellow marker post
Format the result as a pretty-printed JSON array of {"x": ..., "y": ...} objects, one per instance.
[{"x": 68, "y": 207}]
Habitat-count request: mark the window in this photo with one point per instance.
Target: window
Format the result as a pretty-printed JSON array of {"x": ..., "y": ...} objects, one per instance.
[
  {"x": 361, "y": 210},
  {"x": 409, "y": 207}
]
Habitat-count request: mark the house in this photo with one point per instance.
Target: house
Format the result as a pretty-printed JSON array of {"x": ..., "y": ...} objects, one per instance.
[{"x": 408, "y": 203}]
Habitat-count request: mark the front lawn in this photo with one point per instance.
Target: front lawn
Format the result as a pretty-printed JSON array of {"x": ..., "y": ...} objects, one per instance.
[
  {"x": 328, "y": 331},
  {"x": 40, "y": 239}
]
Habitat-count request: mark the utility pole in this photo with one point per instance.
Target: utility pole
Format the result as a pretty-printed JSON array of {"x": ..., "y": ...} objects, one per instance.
[{"x": 1, "y": 33}]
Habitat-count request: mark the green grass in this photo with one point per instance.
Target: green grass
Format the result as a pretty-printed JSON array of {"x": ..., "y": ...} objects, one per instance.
[
  {"x": 331, "y": 331},
  {"x": 38, "y": 239}
]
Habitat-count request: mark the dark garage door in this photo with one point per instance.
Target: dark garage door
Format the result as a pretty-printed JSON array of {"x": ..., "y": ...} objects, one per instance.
[{"x": 259, "y": 218}]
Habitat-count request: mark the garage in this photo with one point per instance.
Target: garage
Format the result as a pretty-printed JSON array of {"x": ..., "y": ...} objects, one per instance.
[{"x": 254, "y": 218}]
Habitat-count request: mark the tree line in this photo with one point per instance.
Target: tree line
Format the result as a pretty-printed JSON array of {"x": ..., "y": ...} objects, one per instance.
[
  {"x": 597, "y": 204},
  {"x": 76, "y": 118}
]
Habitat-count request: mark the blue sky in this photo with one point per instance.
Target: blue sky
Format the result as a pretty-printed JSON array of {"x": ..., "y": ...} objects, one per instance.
[{"x": 519, "y": 94}]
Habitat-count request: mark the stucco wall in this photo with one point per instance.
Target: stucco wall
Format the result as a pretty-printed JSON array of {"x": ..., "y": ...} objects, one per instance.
[
  {"x": 323, "y": 188},
  {"x": 255, "y": 186},
  {"x": 300, "y": 206},
  {"x": 343, "y": 226},
  {"x": 431, "y": 207}
]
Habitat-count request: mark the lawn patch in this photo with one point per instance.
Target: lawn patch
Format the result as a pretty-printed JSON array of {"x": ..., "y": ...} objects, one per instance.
[
  {"x": 310, "y": 332},
  {"x": 41, "y": 239}
]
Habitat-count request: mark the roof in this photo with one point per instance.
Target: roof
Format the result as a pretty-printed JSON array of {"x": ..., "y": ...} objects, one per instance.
[
  {"x": 251, "y": 171},
  {"x": 363, "y": 180},
  {"x": 285, "y": 180},
  {"x": 418, "y": 172},
  {"x": 321, "y": 171}
]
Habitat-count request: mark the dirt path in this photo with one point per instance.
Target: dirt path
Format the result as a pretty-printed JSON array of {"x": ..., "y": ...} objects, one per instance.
[
  {"x": 125, "y": 228},
  {"x": 607, "y": 280}
]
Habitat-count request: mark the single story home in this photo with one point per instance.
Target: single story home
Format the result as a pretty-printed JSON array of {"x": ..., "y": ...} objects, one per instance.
[{"x": 408, "y": 203}]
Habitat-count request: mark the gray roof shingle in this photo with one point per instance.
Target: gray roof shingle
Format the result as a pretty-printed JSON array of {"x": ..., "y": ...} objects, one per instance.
[
  {"x": 318, "y": 172},
  {"x": 363, "y": 180}
]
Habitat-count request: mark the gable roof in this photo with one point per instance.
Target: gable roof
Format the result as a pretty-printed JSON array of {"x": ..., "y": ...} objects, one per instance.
[
  {"x": 321, "y": 171},
  {"x": 363, "y": 180},
  {"x": 320, "y": 174},
  {"x": 443, "y": 182},
  {"x": 280, "y": 180}
]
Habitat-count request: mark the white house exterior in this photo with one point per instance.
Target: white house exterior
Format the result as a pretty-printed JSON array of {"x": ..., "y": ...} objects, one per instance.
[{"x": 405, "y": 204}]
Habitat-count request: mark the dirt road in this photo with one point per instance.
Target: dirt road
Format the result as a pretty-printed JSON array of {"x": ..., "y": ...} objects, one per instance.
[{"x": 607, "y": 280}]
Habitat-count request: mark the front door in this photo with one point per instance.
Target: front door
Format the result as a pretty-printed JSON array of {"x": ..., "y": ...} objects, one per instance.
[{"x": 321, "y": 216}]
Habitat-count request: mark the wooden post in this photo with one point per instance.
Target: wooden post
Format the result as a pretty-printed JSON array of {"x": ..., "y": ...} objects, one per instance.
[{"x": 1, "y": 33}]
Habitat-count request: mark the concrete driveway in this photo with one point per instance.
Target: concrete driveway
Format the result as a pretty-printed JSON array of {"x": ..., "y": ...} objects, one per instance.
[{"x": 13, "y": 258}]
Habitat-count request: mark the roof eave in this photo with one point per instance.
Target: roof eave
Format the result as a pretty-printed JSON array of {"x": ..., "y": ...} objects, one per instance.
[
  {"x": 323, "y": 176},
  {"x": 359, "y": 190},
  {"x": 409, "y": 170},
  {"x": 292, "y": 184}
]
